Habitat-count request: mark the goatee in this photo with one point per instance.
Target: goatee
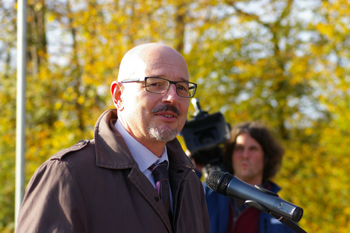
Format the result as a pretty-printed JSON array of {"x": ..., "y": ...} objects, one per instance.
[{"x": 163, "y": 135}]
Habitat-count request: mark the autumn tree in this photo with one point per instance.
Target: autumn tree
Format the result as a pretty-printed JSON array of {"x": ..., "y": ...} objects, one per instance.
[{"x": 284, "y": 63}]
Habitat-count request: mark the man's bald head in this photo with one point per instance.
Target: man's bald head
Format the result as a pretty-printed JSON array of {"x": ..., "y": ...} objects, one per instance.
[
  {"x": 152, "y": 118},
  {"x": 137, "y": 60}
]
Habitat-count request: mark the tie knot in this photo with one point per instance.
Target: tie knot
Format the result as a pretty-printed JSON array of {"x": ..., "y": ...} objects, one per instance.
[{"x": 159, "y": 171}]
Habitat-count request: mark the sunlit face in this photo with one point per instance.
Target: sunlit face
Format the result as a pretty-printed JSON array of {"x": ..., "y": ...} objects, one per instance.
[
  {"x": 150, "y": 117},
  {"x": 248, "y": 159}
]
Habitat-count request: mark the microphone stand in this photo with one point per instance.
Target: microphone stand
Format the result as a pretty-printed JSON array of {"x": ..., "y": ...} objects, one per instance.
[
  {"x": 291, "y": 224},
  {"x": 288, "y": 222}
]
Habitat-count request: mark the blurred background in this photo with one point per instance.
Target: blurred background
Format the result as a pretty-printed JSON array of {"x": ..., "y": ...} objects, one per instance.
[{"x": 285, "y": 63}]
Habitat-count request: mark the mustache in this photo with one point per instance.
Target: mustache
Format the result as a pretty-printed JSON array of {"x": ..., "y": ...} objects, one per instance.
[{"x": 166, "y": 108}]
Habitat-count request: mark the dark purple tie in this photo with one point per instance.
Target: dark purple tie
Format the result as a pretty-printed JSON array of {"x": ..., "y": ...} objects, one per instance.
[{"x": 160, "y": 174}]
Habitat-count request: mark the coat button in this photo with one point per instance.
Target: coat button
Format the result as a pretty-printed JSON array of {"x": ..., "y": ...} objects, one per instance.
[{"x": 156, "y": 198}]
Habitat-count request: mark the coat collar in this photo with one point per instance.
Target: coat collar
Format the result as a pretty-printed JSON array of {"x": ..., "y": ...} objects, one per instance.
[{"x": 112, "y": 152}]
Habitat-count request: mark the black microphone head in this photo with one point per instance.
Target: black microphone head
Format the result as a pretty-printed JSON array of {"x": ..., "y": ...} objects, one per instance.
[{"x": 218, "y": 181}]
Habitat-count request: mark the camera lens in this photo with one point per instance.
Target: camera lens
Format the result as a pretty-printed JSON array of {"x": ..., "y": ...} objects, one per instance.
[{"x": 206, "y": 138}]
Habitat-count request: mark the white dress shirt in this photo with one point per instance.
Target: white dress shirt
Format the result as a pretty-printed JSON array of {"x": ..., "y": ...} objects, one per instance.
[{"x": 143, "y": 156}]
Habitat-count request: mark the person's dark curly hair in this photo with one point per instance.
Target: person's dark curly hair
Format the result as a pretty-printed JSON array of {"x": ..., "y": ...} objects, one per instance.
[{"x": 273, "y": 151}]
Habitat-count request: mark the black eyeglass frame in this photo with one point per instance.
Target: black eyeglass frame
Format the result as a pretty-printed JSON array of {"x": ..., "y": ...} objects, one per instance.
[{"x": 165, "y": 90}]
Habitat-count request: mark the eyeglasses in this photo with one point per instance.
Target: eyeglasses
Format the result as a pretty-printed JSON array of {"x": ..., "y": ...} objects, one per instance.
[{"x": 161, "y": 85}]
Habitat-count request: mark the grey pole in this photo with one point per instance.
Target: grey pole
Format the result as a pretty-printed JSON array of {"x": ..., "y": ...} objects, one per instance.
[{"x": 20, "y": 119}]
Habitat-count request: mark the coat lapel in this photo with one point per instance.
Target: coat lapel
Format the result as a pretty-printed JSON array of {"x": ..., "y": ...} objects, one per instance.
[{"x": 150, "y": 194}]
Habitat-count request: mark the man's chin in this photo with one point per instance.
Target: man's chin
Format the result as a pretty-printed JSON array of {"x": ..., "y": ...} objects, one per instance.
[{"x": 163, "y": 134}]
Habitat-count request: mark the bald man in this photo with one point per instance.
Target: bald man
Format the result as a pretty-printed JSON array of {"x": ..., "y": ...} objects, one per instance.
[{"x": 105, "y": 184}]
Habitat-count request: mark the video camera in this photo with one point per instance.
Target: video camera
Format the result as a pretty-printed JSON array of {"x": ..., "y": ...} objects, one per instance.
[{"x": 204, "y": 135}]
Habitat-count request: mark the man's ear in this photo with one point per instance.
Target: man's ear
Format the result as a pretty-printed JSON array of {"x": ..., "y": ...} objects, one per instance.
[{"x": 116, "y": 95}]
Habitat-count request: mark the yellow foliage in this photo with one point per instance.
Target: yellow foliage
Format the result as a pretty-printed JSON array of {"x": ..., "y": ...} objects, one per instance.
[
  {"x": 246, "y": 63},
  {"x": 81, "y": 100},
  {"x": 325, "y": 29},
  {"x": 58, "y": 105}
]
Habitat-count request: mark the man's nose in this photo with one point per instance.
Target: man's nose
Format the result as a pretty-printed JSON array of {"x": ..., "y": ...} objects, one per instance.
[
  {"x": 171, "y": 93},
  {"x": 245, "y": 153}
]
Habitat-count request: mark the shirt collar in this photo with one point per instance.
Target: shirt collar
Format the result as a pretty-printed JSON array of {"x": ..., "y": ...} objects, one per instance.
[{"x": 143, "y": 156}]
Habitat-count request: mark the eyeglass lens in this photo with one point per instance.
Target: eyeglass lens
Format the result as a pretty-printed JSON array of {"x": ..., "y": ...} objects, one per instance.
[{"x": 159, "y": 85}]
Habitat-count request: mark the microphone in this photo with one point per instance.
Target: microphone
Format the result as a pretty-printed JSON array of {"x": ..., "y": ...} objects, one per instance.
[{"x": 255, "y": 196}]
